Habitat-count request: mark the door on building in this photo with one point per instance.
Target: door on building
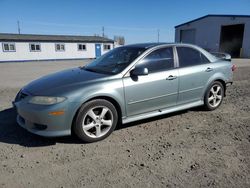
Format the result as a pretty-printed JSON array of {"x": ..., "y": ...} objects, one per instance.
[
  {"x": 98, "y": 50},
  {"x": 231, "y": 39},
  {"x": 187, "y": 36}
]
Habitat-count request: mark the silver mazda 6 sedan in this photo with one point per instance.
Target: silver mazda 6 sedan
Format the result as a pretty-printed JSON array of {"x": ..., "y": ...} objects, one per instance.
[{"x": 127, "y": 84}]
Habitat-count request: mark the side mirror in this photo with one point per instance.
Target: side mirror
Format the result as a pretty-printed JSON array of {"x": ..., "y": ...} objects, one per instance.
[{"x": 139, "y": 71}]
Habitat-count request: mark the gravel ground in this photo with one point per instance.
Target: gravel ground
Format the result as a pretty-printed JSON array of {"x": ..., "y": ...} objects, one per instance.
[{"x": 191, "y": 148}]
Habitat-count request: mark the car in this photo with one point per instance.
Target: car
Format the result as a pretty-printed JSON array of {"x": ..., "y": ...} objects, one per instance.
[{"x": 127, "y": 84}]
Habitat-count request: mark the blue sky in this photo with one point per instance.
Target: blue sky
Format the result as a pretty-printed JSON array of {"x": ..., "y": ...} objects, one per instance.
[{"x": 136, "y": 20}]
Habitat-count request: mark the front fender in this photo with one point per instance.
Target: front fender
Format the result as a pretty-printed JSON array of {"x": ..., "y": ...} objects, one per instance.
[{"x": 111, "y": 89}]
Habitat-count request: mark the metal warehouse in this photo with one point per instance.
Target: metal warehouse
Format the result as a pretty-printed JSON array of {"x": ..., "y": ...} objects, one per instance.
[
  {"x": 26, "y": 47},
  {"x": 218, "y": 33}
]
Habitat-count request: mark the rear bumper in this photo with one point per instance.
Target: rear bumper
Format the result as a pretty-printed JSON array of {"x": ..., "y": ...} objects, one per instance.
[{"x": 229, "y": 83}]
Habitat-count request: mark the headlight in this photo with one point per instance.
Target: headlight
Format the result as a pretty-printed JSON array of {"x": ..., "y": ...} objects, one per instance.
[{"x": 46, "y": 100}]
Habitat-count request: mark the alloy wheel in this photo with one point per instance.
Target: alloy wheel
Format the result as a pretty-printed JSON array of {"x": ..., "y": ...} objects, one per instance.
[
  {"x": 97, "y": 122},
  {"x": 215, "y": 96}
]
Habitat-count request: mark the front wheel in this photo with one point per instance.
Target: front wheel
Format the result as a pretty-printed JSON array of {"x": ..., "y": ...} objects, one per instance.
[
  {"x": 214, "y": 96},
  {"x": 96, "y": 120}
]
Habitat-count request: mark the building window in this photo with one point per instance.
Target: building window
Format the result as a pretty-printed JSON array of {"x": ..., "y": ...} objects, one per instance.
[
  {"x": 35, "y": 47},
  {"x": 107, "y": 47},
  {"x": 60, "y": 47},
  {"x": 9, "y": 47},
  {"x": 82, "y": 47}
]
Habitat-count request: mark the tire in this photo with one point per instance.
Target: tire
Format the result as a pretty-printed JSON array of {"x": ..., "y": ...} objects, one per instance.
[
  {"x": 214, "y": 96},
  {"x": 95, "y": 120}
]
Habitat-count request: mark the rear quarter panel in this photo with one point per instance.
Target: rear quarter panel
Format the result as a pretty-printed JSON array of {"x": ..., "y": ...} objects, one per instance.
[{"x": 222, "y": 71}]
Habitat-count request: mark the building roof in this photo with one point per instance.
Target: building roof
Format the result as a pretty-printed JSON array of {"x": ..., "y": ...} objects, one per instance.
[
  {"x": 52, "y": 38},
  {"x": 214, "y": 15}
]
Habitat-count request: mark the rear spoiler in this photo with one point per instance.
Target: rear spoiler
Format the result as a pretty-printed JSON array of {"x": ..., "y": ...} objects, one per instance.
[{"x": 224, "y": 56}]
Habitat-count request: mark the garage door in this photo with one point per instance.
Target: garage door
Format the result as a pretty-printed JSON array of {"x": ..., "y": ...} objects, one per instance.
[
  {"x": 188, "y": 36},
  {"x": 231, "y": 39}
]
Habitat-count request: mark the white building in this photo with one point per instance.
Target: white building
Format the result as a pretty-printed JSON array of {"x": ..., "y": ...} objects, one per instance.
[
  {"x": 27, "y": 47},
  {"x": 218, "y": 33}
]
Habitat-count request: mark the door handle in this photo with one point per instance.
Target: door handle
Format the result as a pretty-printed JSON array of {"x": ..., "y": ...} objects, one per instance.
[
  {"x": 209, "y": 69},
  {"x": 171, "y": 77}
]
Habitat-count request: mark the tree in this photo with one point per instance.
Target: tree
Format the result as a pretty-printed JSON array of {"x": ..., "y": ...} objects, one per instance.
[{"x": 119, "y": 39}]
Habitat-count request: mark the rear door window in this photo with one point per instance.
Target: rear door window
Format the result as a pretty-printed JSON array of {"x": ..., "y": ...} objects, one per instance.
[{"x": 189, "y": 57}]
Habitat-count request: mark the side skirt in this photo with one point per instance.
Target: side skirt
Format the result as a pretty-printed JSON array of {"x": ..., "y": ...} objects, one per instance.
[{"x": 161, "y": 112}]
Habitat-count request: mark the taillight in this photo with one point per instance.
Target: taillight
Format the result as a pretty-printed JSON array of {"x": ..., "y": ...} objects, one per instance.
[{"x": 233, "y": 67}]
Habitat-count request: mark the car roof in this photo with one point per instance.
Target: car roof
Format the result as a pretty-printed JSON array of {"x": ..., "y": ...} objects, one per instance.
[
  {"x": 155, "y": 44},
  {"x": 147, "y": 45}
]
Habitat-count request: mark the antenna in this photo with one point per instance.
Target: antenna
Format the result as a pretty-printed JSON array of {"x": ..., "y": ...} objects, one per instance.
[
  {"x": 18, "y": 27},
  {"x": 158, "y": 35},
  {"x": 103, "y": 31}
]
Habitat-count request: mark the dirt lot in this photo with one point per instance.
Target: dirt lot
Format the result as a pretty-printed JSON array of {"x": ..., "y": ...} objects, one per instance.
[{"x": 191, "y": 148}]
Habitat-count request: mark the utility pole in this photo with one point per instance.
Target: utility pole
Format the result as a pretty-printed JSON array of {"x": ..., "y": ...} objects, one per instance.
[
  {"x": 158, "y": 35},
  {"x": 103, "y": 34},
  {"x": 18, "y": 27}
]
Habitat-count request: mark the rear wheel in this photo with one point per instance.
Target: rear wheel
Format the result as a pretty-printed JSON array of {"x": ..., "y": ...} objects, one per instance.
[
  {"x": 96, "y": 120},
  {"x": 214, "y": 96}
]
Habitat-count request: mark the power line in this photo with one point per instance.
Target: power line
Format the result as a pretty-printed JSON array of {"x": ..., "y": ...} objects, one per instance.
[
  {"x": 103, "y": 34},
  {"x": 18, "y": 27},
  {"x": 92, "y": 26}
]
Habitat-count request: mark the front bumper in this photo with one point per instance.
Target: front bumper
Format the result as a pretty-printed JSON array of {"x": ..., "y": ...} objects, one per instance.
[
  {"x": 31, "y": 127},
  {"x": 37, "y": 119}
]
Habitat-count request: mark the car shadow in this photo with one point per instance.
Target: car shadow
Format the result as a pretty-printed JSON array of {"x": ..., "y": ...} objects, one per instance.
[{"x": 12, "y": 133}]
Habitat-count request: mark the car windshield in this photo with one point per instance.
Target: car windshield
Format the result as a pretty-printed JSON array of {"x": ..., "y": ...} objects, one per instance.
[{"x": 115, "y": 61}]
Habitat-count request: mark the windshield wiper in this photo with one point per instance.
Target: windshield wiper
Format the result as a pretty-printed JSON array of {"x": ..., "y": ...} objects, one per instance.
[
  {"x": 91, "y": 70},
  {"x": 97, "y": 71}
]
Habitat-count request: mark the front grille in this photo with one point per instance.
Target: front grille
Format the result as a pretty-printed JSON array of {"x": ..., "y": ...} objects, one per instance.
[
  {"x": 21, "y": 119},
  {"x": 40, "y": 126}
]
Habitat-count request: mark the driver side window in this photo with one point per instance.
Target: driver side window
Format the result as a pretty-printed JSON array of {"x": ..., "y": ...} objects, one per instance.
[{"x": 158, "y": 60}]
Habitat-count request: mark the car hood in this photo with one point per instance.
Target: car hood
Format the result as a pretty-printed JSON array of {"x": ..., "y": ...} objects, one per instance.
[{"x": 60, "y": 79}]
